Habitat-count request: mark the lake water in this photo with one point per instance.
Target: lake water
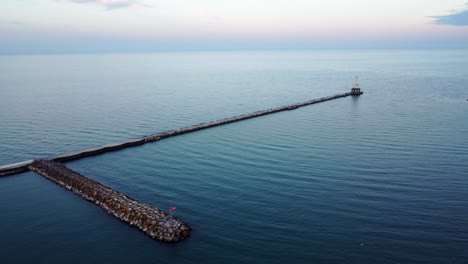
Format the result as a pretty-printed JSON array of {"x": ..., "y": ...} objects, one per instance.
[{"x": 382, "y": 178}]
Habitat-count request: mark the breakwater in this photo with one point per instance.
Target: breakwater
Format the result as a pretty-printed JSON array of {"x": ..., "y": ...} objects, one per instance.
[
  {"x": 24, "y": 166},
  {"x": 154, "y": 222},
  {"x": 171, "y": 133}
]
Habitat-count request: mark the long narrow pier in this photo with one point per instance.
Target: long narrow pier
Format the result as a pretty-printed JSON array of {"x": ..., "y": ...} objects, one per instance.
[
  {"x": 154, "y": 222},
  {"x": 24, "y": 166}
]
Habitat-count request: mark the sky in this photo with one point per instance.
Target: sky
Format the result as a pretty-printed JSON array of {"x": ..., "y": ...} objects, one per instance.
[{"x": 60, "y": 26}]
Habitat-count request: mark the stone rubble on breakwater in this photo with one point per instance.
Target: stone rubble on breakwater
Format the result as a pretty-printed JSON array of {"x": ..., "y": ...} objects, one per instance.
[
  {"x": 154, "y": 222},
  {"x": 11, "y": 169}
]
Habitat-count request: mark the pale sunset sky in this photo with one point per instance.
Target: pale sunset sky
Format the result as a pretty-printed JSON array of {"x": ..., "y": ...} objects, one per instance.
[{"x": 55, "y": 26}]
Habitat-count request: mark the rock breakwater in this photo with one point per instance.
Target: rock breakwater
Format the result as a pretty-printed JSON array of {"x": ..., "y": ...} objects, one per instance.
[{"x": 152, "y": 221}]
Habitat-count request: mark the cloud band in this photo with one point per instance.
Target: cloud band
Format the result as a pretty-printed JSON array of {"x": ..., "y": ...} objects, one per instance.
[
  {"x": 111, "y": 4},
  {"x": 459, "y": 18}
]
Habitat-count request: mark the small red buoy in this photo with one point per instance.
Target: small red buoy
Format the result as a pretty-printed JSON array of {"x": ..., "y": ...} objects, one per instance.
[{"x": 172, "y": 208}]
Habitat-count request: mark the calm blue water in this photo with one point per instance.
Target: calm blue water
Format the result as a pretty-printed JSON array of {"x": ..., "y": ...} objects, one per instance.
[{"x": 382, "y": 178}]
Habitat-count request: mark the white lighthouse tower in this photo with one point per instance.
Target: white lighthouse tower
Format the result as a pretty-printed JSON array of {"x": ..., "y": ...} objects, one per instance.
[{"x": 356, "y": 90}]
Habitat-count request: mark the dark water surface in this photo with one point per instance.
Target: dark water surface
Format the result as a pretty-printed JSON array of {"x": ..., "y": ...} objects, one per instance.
[{"x": 382, "y": 178}]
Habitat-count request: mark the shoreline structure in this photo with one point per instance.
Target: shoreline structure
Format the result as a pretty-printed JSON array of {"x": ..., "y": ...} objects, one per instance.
[
  {"x": 23, "y": 166},
  {"x": 154, "y": 222}
]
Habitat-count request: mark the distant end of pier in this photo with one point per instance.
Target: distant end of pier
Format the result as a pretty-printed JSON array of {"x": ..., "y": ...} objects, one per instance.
[{"x": 356, "y": 90}]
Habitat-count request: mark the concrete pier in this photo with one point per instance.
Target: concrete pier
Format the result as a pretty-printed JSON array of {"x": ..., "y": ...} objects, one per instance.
[
  {"x": 154, "y": 222},
  {"x": 171, "y": 133},
  {"x": 98, "y": 150},
  {"x": 15, "y": 168},
  {"x": 23, "y": 166}
]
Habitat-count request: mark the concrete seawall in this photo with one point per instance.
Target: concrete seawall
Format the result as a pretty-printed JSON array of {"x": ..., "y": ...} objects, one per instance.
[
  {"x": 154, "y": 222},
  {"x": 98, "y": 150},
  {"x": 14, "y": 168}
]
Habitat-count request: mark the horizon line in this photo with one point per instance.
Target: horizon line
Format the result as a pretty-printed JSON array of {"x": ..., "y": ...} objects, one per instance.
[{"x": 84, "y": 52}]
